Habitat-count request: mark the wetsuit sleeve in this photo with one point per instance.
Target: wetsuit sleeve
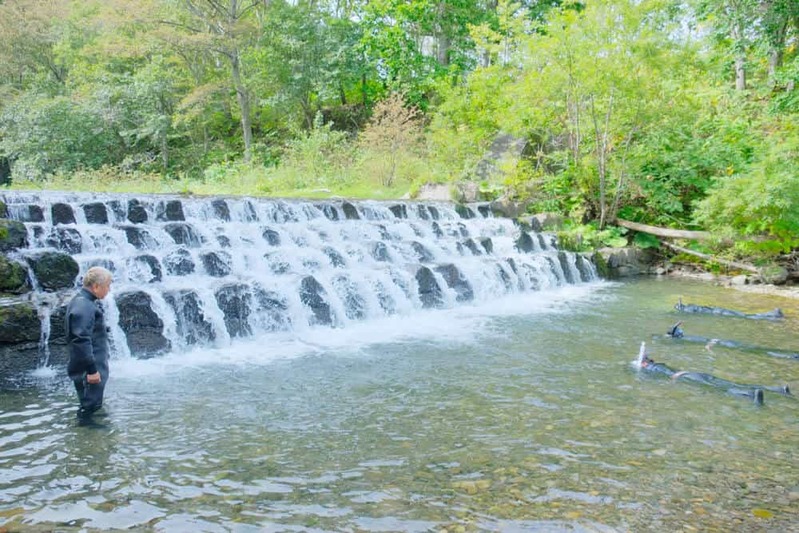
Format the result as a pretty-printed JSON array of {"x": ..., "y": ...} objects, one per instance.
[{"x": 81, "y": 328}]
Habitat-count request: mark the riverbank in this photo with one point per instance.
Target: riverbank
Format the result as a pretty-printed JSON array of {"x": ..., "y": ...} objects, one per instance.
[{"x": 734, "y": 282}]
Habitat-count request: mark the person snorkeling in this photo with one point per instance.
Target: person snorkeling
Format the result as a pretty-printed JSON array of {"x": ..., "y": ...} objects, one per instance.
[{"x": 752, "y": 392}]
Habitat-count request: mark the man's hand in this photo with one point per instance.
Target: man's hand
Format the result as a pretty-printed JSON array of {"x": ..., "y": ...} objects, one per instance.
[{"x": 94, "y": 379}]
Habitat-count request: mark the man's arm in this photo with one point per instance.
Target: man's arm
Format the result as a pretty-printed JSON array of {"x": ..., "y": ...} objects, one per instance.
[{"x": 81, "y": 329}]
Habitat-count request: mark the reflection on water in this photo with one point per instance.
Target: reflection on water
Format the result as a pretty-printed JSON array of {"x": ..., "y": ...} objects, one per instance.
[{"x": 524, "y": 415}]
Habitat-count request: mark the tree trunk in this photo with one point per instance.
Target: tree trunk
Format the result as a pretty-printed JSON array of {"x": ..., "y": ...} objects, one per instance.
[
  {"x": 164, "y": 151},
  {"x": 602, "y": 156},
  {"x": 664, "y": 232},
  {"x": 243, "y": 98},
  {"x": 740, "y": 73},
  {"x": 706, "y": 257}
]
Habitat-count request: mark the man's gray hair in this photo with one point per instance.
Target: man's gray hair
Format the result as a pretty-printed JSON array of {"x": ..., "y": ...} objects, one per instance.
[{"x": 97, "y": 276}]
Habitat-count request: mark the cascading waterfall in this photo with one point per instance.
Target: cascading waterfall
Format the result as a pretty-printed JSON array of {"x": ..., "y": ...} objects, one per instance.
[{"x": 202, "y": 271}]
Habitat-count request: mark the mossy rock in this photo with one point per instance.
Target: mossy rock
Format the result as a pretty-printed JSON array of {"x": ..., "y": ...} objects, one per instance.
[
  {"x": 775, "y": 275},
  {"x": 3, "y": 210},
  {"x": 601, "y": 263},
  {"x": 13, "y": 276},
  {"x": 19, "y": 322},
  {"x": 13, "y": 235},
  {"x": 54, "y": 270}
]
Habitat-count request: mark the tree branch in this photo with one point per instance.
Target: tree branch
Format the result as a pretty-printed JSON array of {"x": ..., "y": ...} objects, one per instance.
[
  {"x": 664, "y": 232},
  {"x": 733, "y": 264}
]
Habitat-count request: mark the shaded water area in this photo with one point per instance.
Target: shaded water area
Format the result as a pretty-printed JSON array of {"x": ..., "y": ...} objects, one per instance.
[{"x": 521, "y": 414}]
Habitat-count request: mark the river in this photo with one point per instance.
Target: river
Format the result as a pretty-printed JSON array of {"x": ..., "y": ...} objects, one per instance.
[{"x": 519, "y": 414}]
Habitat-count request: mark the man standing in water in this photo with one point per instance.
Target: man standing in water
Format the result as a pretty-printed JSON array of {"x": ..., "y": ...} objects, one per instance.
[{"x": 87, "y": 337}]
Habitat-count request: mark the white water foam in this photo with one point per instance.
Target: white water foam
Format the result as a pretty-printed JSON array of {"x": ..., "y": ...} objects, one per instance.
[{"x": 461, "y": 325}]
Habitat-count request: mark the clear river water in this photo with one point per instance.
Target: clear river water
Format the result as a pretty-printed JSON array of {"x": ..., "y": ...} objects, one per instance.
[{"x": 520, "y": 414}]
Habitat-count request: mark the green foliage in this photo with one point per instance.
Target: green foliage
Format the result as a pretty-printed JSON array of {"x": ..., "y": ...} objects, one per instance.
[
  {"x": 588, "y": 237},
  {"x": 627, "y": 110},
  {"x": 43, "y": 135},
  {"x": 763, "y": 198},
  {"x": 645, "y": 240}
]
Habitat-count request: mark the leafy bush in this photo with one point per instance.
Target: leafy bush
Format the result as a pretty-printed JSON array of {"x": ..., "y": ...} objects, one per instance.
[{"x": 762, "y": 199}]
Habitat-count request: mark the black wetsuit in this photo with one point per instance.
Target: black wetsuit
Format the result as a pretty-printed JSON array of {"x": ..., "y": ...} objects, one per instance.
[
  {"x": 774, "y": 314},
  {"x": 88, "y": 349},
  {"x": 678, "y": 334},
  {"x": 753, "y": 392}
]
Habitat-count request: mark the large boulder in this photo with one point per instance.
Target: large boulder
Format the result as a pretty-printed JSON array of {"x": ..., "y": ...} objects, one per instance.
[
  {"x": 221, "y": 209},
  {"x": 502, "y": 157},
  {"x": 142, "y": 326},
  {"x": 272, "y": 310},
  {"x": 271, "y": 236},
  {"x": 465, "y": 211},
  {"x": 179, "y": 263},
  {"x": 145, "y": 268},
  {"x": 137, "y": 213},
  {"x": 354, "y": 303},
  {"x": 217, "y": 264},
  {"x": 192, "y": 324},
  {"x": 524, "y": 243},
  {"x": 313, "y": 296},
  {"x": 235, "y": 301},
  {"x": 456, "y": 281},
  {"x": 467, "y": 192},
  {"x": 399, "y": 210},
  {"x": 183, "y": 233},
  {"x": 170, "y": 211},
  {"x": 13, "y": 276},
  {"x": 439, "y": 192},
  {"x": 62, "y": 213},
  {"x": 13, "y": 235},
  {"x": 29, "y": 213},
  {"x": 430, "y": 293},
  {"x": 505, "y": 207},
  {"x": 53, "y": 270},
  {"x": 140, "y": 238},
  {"x": 330, "y": 212},
  {"x": 96, "y": 213},
  {"x": 19, "y": 322},
  {"x": 623, "y": 262},
  {"x": 549, "y": 221},
  {"x": 20, "y": 329},
  {"x": 775, "y": 275},
  {"x": 67, "y": 240},
  {"x": 350, "y": 211},
  {"x": 584, "y": 266},
  {"x": 563, "y": 259}
]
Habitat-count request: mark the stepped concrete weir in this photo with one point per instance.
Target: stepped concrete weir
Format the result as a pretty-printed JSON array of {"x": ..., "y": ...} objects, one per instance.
[{"x": 204, "y": 271}]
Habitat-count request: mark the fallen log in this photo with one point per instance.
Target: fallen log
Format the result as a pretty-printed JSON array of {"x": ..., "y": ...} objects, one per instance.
[
  {"x": 664, "y": 232},
  {"x": 706, "y": 257}
]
